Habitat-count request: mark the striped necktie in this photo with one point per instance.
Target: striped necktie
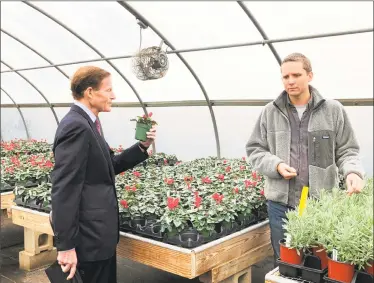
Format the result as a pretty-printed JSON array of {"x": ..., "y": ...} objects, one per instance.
[{"x": 97, "y": 123}]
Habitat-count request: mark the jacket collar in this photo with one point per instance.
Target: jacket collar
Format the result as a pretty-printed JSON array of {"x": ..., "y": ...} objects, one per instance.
[
  {"x": 85, "y": 109},
  {"x": 103, "y": 145},
  {"x": 282, "y": 100}
]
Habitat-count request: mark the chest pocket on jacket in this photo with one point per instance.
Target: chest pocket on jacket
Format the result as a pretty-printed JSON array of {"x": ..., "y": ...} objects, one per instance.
[{"x": 321, "y": 148}]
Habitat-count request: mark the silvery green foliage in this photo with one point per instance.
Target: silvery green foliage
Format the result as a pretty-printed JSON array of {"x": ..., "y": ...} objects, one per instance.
[{"x": 336, "y": 221}]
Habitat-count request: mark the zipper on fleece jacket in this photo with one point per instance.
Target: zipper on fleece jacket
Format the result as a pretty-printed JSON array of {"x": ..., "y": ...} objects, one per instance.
[{"x": 310, "y": 119}]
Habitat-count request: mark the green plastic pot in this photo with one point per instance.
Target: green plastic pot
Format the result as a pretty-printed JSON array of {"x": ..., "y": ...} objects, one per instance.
[{"x": 141, "y": 131}]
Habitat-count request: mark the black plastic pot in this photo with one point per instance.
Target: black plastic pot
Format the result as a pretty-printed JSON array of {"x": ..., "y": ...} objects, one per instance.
[
  {"x": 43, "y": 179},
  {"x": 245, "y": 221},
  {"x": 12, "y": 183},
  {"x": 31, "y": 183},
  {"x": 311, "y": 269},
  {"x": 124, "y": 219},
  {"x": 262, "y": 213},
  {"x": 137, "y": 221},
  {"x": 229, "y": 227},
  {"x": 5, "y": 187},
  {"x": 210, "y": 236},
  {"x": 46, "y": 208},
  {"x": 19, "y": 201},
  {"x": 288, "y": 270},
  {"x": 33, "y": 204},
  {"x": 190, "y": 238},
  {"x": 151, "y": 230},
  {"x": 172, "y": 237}
]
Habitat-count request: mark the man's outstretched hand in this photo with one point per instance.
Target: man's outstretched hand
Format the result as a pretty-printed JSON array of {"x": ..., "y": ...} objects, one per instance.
[{"x": 354, "y": 184}]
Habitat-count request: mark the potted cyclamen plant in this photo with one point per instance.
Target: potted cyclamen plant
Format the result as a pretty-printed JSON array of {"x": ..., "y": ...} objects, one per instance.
[{"x": 143, "y": 125}]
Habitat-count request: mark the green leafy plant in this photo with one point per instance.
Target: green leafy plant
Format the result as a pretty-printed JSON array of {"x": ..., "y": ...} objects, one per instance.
[
  {"x": 209, "y": 191},
  {"x": 337, "y": 222}
]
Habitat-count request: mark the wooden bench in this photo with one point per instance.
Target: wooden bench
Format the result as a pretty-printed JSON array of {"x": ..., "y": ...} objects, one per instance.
[
  {"x": 226, "y": 260},
  {"x": 274, "y": 276}
]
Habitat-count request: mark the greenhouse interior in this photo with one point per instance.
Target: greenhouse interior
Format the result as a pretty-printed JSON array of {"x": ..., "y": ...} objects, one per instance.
[{"x": 157, "y": 141}]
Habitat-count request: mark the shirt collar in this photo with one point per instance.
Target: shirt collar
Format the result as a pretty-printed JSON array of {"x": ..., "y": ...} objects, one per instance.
[
  {"x": 309, "y": 105},
  {"x": 85, "y": 109}
]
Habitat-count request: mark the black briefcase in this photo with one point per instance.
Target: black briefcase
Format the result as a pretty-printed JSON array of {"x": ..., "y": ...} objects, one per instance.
[{"x": 56, "y": 275}]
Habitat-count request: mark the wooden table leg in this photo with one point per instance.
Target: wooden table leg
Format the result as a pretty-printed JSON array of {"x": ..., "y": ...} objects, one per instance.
[{"x": 39, "y": 250}]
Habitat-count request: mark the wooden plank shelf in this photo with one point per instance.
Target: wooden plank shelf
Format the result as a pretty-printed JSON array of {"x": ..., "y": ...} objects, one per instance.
[{"x": 213, "y": 262}]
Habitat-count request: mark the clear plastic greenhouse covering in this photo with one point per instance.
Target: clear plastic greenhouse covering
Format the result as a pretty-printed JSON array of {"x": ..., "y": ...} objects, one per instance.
[{"x": 224, "y": 66}]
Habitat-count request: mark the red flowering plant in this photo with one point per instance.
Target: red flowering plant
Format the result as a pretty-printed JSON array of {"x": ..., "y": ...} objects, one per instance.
[
  {"x": 175, "y": 217},
  {"x": 210, "y": 210},
  {"x": 162, "y": 159},
  {"x": 117, "y": 150},
  {"x": 145, "y": 119},
  {"x": 142, "y": 189},
  {"x": 23, "y": 168},
  {"x": 255, "y": 184},
  {"x": 202, "y": 193},
  {"x": 22, "y": 146},
  {"x": 206, "y": 190}
]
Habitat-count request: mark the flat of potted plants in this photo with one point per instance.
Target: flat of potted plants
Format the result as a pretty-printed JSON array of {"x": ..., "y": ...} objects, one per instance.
[{"x": 358, "y": 277}]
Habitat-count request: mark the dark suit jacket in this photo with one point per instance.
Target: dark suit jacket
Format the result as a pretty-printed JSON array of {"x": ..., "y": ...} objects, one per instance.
[{"x": 84, "y": 199}]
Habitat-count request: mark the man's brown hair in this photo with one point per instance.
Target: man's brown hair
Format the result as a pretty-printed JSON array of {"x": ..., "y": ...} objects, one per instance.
[
  {"x": 298, "y": 57},
  {"x": 85, "y": 77}
]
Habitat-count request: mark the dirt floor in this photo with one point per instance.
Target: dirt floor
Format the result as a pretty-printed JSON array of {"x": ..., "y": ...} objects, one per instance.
[{"x": 11, "y": 243}]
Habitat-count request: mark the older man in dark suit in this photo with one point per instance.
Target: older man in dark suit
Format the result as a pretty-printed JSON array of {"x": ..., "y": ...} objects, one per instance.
[{"x": 84, "y": 201}]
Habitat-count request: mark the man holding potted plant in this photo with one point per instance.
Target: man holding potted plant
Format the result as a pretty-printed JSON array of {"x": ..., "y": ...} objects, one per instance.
[
  {"x": 302, "y": 139},
  {"x": 84, "y": 201}
]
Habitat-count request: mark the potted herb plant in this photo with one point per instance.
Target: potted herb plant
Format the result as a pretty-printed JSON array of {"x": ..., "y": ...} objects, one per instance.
[
  {"x": 349, "y": 240},
  {"x": 292, "y": 247}
]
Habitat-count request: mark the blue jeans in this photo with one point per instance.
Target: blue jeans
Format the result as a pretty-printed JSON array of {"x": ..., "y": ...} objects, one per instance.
[{"x": 276, "y": 213}]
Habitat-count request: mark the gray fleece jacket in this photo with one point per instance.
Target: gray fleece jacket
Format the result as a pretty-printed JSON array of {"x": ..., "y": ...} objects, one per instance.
[{"x": 332, "y": 146}]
